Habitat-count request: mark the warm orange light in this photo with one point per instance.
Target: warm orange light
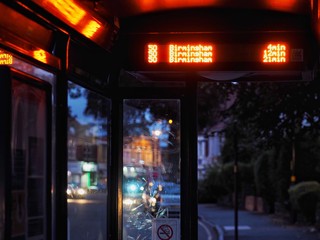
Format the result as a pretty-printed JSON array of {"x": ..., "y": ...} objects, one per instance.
[
  {"x": 150, "y": 5},
  {"x": 189, "y": 53},
  {"x": 6, "y": 58},
  {"x": 286, "y": 5},
  {"x": 40, "y": 55},
  {"x": 275, "y": 53},
  {"x": 152, "y": 53},
  {"x": 72, "y": 12},
  {"x": 91, "y": 28}
]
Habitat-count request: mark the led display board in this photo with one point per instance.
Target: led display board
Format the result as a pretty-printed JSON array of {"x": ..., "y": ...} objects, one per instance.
[
  {"x": 263, "y": 51},
  {"x": 209, "y": 53},
  {"x": 180, "y": 53}
]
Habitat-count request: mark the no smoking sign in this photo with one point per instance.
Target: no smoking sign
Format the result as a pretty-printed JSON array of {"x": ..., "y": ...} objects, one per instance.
[
  {"x": 166, "y": 229},
  {"x": 164, "y": 232}
]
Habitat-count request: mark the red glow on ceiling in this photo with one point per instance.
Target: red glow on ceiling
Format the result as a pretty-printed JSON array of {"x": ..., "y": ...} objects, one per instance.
[
  {"x": 136, "y": 7},
  {"x": 150, "y": 5},
  {"x": 282, "y": 5}
]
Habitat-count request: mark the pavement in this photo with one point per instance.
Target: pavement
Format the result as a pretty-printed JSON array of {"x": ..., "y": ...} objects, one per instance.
[{"x": 251, "y": 226}]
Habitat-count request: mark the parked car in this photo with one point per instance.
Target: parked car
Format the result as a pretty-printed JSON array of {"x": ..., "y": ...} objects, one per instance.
[
  {"x": 75, "y": 192},
  {"x": 99, "y": 188},
  {"x": 170, "y": 198}
]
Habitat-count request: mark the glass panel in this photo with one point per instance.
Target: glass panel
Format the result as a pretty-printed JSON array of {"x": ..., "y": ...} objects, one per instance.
[
  {"x": 151, "y": 169},
  {"x": 269, "y": 133},
  {"x": 29, "y": 161},
  {"x": 88, "y": 144}
]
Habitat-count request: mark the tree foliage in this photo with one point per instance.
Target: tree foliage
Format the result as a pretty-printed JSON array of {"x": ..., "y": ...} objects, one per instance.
[{"x": 276, "y": 126}]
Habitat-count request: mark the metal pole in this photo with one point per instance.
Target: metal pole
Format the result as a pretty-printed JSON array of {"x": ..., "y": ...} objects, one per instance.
[{"x": 235, "y": 170}]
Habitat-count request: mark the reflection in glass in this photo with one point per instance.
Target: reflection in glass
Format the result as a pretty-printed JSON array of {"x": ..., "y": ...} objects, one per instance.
[
  {"x": 151, "y": 166},
  {"x": 88, "y": 145},
  {"x": 29, "y": 161}
]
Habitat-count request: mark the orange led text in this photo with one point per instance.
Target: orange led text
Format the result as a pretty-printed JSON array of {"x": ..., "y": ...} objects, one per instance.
[
  {"x": 5, "y": 58},
  {"x": 40, "y": 55},
  {"x": 190, "y": 53},
  {"x": 152, "y": 53},
  {"x": 275, "y": 53}
]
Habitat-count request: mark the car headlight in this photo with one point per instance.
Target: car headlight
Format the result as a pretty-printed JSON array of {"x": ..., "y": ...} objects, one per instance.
[
  {"x": 132, "y": 188},
  {"x": 81, "y": 191},
  {"x": 69, "y": 192},
  {"x": 129, "y": 201}
]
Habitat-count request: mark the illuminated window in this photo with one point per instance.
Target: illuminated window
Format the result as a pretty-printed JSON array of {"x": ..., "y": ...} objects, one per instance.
[{"x": 275, "y": 53}]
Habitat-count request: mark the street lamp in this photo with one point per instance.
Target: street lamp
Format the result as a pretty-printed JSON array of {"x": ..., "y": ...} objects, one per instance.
[{"x": 156, "y": 133}]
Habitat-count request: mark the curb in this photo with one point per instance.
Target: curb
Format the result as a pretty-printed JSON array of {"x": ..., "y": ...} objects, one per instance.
[
  {"x": 219, "y": 231},
  {"x": 216, "y": 229}
]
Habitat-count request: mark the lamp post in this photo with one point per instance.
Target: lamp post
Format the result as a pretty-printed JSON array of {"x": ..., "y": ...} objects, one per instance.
[
  {"x": 293, "y": 163},
  {"x": 236, "y": 174}
]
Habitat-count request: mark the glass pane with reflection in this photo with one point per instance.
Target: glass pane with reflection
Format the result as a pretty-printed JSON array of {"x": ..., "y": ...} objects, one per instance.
[
  {"x": 88, "y": 154},
  {"x": 151, "y": 167}
]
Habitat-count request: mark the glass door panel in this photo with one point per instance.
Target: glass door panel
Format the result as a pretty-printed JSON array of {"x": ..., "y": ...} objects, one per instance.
[
  {"x": 151, "y": 168},
  {"x": 30, "y": 146},
  {"x": 88, "y": 154}
]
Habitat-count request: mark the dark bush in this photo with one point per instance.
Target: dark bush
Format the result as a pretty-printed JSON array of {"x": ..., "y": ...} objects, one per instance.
[{"x": 304, "y": 197}]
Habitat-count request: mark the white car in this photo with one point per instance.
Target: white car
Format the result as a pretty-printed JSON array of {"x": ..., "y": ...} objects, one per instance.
[{"x": 170, "y": 199}]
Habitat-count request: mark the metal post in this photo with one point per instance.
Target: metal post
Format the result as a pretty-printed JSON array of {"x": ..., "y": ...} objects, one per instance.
[
  {"x": 235, "y": 170},
  {"x": 293, "y": 163}
]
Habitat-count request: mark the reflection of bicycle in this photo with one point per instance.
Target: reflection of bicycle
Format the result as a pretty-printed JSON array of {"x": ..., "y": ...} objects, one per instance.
[{"x": 138, "y": 222}]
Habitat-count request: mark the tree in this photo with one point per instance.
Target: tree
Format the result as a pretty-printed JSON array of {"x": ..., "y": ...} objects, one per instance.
[{"x": 272, "y": 119}]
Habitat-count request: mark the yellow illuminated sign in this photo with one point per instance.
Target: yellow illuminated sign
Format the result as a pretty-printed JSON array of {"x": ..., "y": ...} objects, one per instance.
[
  {"x": 5, "y": 58},
  {"x": 40, "y": 55},
  {"x": 75, "y": 15},
  {"x": 72, "y": 12},
  {"x": 275, "y": 53},
  {"x": 91, "y": 28}
]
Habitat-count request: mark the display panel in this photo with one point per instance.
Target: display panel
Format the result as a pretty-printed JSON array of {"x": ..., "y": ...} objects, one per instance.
[
  {"x": 208, "y": 53},
  {"x": 248, "y": 51}
]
